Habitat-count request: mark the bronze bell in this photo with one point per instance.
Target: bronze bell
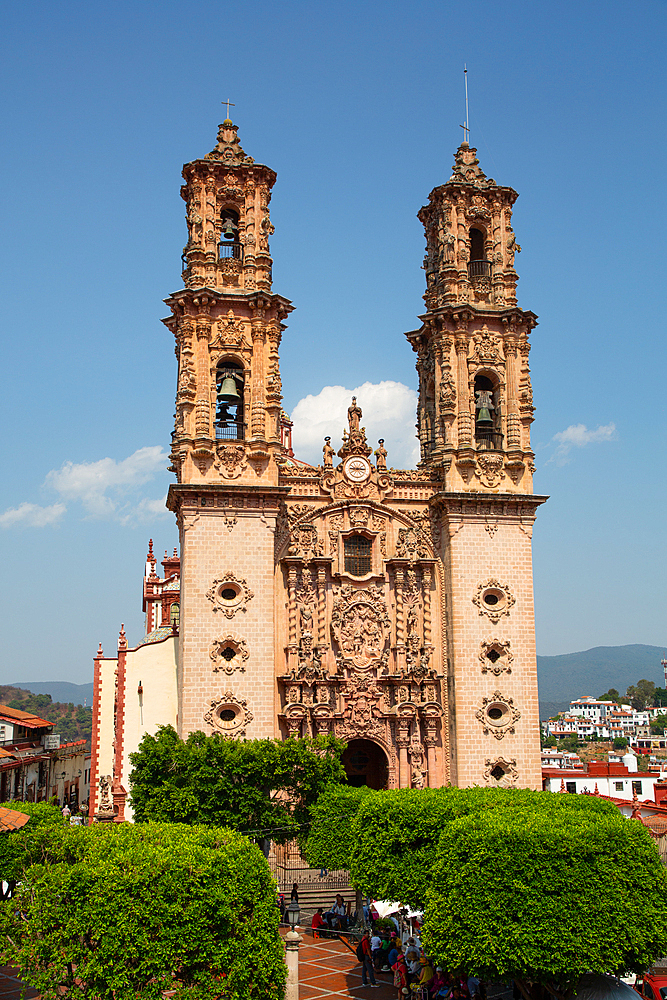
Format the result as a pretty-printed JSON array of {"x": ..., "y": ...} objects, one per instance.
[
  {"x": 228, "y": 393},
  {"x": 229, "y": 229}
]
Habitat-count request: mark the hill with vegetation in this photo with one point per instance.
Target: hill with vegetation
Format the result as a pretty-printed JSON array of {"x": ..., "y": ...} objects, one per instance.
[
  {"x": 72, "y": 722},
  {"x": 573, "y": 675}
]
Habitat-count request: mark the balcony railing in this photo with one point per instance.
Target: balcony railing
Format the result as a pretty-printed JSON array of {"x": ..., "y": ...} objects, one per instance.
[
  {"x": 228, "y": 251},
  {"x": 488, "y": 440},
  {"x": 479, "y": 269},
  {"x": 230, "y": 432}
]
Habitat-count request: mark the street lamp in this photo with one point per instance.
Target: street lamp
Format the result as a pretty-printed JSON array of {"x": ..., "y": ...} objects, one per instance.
[{"x": 292, "y": 941}]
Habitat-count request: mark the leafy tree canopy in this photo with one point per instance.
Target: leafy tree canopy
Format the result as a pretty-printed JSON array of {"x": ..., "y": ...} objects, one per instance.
[
  {"x": 250, "y": 785},
  {"x": 620, "y": 743},
  {"x": 113, "y": 912},
  {"x": 658, "y": 724},
  {"x": 331, "y": 840},
  {"x": 19, "y": 848},
  {"x": 641, "y": 694},
  {"x": 546, "y": 894},
  {"x": 387, "y": 840}
]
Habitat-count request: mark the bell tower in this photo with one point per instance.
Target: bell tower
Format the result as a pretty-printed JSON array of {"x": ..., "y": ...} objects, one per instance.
[
  {"x": 474, "y": 415},
  {"x": 227, "y": 440},
  {"x": 475, "y": 396}
]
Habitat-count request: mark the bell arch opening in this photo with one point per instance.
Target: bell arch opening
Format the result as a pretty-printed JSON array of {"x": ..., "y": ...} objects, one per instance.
[
  {"x": 365, "y": 763},
  {"x": 229, "y": 381},
  {"x": 488, "y": 434}
]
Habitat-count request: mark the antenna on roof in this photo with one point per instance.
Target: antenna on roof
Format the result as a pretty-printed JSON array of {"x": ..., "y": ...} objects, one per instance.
[{"x": 466, "y": 130}]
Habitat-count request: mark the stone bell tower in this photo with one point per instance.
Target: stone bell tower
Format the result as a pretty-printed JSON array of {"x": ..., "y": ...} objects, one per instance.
[
  {"x": 474, "y": 417},
  {"x": 227, "y": 324}
]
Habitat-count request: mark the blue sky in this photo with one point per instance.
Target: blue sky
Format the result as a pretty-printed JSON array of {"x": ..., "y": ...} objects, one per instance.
[{"x": 358, "y": 107}]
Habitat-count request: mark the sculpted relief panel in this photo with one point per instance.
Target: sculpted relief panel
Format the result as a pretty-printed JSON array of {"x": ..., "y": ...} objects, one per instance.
[{"x": 360, "y": 627}]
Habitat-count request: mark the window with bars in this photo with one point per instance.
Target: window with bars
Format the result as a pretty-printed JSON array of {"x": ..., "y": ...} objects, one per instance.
[{"x": 357, "y": 555}]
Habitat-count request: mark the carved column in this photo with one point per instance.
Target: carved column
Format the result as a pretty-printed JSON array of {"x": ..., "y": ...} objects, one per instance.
[
  {"x": 427, "y": 580},
  {"x": 431, "y": 740},
  {"x": 321, "y": 606},
  {"x": 465, "y": 419},
  {"x": 292, "y": 639},
  {"x": 513, "y": 423},
  {"x": 438, "y": 375},
  {"x": 203, "y": 404},
  {"x": 257, "y": 417},
  {"x": 399, "y": 577},
  {"x": 403, "y": 742}
]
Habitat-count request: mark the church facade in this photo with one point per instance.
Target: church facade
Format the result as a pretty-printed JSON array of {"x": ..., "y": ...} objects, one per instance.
[{"x": 391, "y": 607}]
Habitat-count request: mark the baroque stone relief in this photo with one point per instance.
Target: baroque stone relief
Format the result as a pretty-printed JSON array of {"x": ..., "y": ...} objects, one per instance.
[
  {"x": 489, "y": 469},
  {"x": 494, "y": 599},
  {"x": 497, "y": 715},
  {"x": 229, "y": 594},
  {"x": 228, "y": 653},
  {"x": 231, "y": 460},
  {"x": 229, "y": 715},
  {"x": 500, "y": 771},
  {"x": 360, "y": 627},
  {"x": 496, "y": 657}
]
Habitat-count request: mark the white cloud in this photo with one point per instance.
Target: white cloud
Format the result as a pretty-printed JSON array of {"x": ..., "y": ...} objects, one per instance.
[
  {"x": 91, "y": 482},
  {"x": 146, "y": 510},
  {"x": 31, "y": 515},
  {"x": 389, "y": 412},
  {"x": 577, "y": 436}
]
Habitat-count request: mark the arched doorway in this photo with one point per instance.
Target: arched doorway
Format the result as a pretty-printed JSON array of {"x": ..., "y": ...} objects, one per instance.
[{"x": 365, "y": 763}]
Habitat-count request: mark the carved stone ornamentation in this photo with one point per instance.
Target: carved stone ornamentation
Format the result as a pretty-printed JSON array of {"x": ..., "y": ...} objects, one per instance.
[
  {"x": 105, "y": 801},
  {"x": 410, "y": 545},
  {"x": 304, "y": 542},
  {"x": 361, "y": 695},
  {"x": 500, "y": 771},
  {"x": 229, "y": 715},
  {"x": 489, "y": 469},
  {"x": 228, "y": 653},
  {"x": 360, "y": 627},
  {"x": 497, "y": 715},
  {"x": 230, "y": 331},
  {"x": 417, "y": 764},
  {"x": 494, "y": 599},
  {"x": 496, "y": 657},
  {"x": 229, "y": 594},
  {"x": 231, "y": 460},
  {"x": 487, "y": 347}
]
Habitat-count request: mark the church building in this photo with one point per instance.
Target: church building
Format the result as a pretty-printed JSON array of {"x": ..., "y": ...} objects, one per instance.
[{"x": 391, "y": 607}]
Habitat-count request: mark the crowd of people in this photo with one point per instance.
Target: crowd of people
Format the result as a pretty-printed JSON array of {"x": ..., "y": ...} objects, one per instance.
[{"x": 413, "y": 971}]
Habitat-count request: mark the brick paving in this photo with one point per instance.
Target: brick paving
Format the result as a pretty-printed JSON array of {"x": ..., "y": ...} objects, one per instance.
[{"x": 328, "y": 969}]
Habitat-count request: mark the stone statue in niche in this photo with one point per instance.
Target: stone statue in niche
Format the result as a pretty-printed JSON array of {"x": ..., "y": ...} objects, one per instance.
[
  {"x": 354, "y": 415},
  {"x": 328, "y": 453},
  {"x": 381, "y": 455},
  {"x": 417, "y": 768}
]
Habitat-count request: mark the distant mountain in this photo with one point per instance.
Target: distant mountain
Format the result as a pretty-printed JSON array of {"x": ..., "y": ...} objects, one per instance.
[
  {"x": 594, "y": 671},
  {"x": 61, "y": 691}
]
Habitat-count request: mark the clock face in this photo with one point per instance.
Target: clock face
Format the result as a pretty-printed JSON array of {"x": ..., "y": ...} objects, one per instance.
[{"x": 357, "y": 469}]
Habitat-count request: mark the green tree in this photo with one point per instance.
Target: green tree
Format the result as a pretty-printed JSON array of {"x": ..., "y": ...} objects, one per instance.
[
  {"x": 543, "y": 895},
  {"x": 569, "y": 743},
  {"x": 641, "y": 694},
  {"x": 396, "y": 832},
  {"x": 658, "y": 724},
  {"x": 549, "y": 741},
  {"x": 19, "y": 848},
  {"x": 610, "y": 695},
  {"x": 620, "y": 743},
  {"x": 660, "y": 697},
  {"x": 250, "y": 785},
  {"x": 331, "y": 840},
  {"x": 115, "y": 912}
]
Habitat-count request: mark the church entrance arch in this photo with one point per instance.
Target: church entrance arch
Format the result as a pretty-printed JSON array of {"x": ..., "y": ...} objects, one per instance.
[{"x": 365, "y": 763}]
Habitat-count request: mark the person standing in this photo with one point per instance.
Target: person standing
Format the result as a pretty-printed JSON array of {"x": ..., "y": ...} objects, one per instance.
[{"x": 367, "y": 963}]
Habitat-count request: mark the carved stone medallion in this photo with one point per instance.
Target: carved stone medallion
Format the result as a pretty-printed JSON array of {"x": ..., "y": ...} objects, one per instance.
[
  {"x": 228, "y": 653},
  {"x": 493, "y": 599},
  {"x": 229, "y": 594},
  {"x": 229, "y": 715},
  {"x": 231, "y": 460},
  {"x": 500, "y": 771},
  {"x": 495, "y": 657},
  {"x": 497, "y": 715},
  {"x": 489, "y": 469}
]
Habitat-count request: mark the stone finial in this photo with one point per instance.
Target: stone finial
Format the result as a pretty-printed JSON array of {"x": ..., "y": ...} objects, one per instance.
[
  {"x": 122, "y": 638},
  {"x": 100, "y": 651},
  {"x": 562, "y": 785}
]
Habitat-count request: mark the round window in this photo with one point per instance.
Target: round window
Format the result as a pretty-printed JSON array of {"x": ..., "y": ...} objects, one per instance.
[
  {"x": 227, "y": 715},
  {"x": 497, "y": 713},
  {"x": 228, "y": 653},
  {"x": 494, "y": 599},
  {"x": 228, "y": 594}
]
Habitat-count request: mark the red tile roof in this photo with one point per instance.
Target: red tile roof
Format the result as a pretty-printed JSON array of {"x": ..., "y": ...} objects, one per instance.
[
  {"x": 10, "y": 819},
  {"x": 8, "y": 714}
]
